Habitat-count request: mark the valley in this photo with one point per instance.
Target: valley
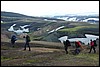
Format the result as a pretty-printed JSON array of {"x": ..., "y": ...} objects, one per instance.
[{"x": 46, "y": 48}]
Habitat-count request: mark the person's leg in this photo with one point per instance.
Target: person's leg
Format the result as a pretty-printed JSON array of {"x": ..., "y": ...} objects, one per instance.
[
  {"x": 66, "y": 50},
  {"x": 76, "y": 51},
  {"x": 25, "y": 46},
  {"x": 90, "y": 49},
  {"x": 94, "y": 49},
  {"x": 29, "y": 46},
  {"x": 13, "y": 43}
]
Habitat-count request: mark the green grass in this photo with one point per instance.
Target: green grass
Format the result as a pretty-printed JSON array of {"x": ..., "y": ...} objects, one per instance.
[
  {"x": 36, "y": 37},
  {"x": 5, "y": 58},
  {"x": 33, "y": 61},
  {"x": 52, "y": 58},
  {"x": 77, "y": 28},
  {"x": 36, "y": 60},
  {"x": 91, "y": 57},
  {"x": 4, "y": 48},
  {"x": 82, "y": 59}
]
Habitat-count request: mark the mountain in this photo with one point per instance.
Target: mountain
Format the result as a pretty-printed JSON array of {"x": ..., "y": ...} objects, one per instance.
[
  {"x": 92, "y": 18},
  {"x": 10, "y": 16},
  {"x": 44, "y": 28}
]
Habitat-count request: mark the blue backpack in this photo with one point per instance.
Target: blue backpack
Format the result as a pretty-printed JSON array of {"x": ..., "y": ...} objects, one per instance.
[{"x": 14, "y": 38}]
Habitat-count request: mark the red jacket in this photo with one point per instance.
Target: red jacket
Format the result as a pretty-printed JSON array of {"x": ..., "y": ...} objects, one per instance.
[
  {"x": 92, "y": 43},
  {"x": 78, "y": 43}
]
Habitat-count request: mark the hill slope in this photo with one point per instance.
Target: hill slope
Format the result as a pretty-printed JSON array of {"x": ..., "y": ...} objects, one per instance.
[{"x": 41, "y": 26}]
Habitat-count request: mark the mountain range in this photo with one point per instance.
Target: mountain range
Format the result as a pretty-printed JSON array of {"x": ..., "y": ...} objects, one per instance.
[
  {"x": 94, "y": 18},
  {"x": 46, "y": 28}
]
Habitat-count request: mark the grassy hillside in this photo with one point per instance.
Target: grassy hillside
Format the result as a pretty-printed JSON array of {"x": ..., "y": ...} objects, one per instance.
[
  {"x": 39, "y": 28},
  {"x": 92, "y": 29}
]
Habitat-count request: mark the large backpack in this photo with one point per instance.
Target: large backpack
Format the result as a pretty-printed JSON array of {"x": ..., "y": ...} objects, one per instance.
[
  {"x": 95, "y": 44},
  {"x": 66, "y": 43},
  {"x": 28, "y": 39},
  {"x": 14, "y": 38}
]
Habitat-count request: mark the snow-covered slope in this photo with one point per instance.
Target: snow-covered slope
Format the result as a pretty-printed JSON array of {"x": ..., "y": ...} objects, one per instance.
[
  {"x": 56, "y": 29},
  {"x": 84, "y": 40},
  {"x": 79, "y": 18},
  {"x": 19, "y": 31}
]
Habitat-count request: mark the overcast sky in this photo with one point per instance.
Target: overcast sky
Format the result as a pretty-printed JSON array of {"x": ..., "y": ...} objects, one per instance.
[{"x": 41, "y": 8}]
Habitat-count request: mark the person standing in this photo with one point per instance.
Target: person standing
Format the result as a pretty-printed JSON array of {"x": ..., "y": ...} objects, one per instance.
[
  {"x": 92, "y": 46},
  {"x": 66, "y": 45},
  {"x": 27, "y": 42}
]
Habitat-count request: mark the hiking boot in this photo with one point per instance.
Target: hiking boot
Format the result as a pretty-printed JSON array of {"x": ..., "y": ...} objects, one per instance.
[
  {"x": 89, "y": 52},
  {"x": 29, "y": 49},
  {"x": 94, "y": 52},
  {"x": 24, "y": 49},
  {"x": 12, "y": 46},
  {"x": 66, "y": 52}
]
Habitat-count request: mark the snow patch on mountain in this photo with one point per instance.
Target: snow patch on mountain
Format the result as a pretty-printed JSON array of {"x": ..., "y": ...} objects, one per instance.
[
  {"x": 56, "y": 29},
  {"x": 83, "y": 40},
  {"x": 80, "y": 18},
  {"x": 19, "y": 31}
]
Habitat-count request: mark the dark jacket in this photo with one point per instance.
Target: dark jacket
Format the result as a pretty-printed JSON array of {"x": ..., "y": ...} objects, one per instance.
[
  {"x": 13, "y": 38},
  {"x": 27, "y": 38},
  {"x": 67, "y": 43}
]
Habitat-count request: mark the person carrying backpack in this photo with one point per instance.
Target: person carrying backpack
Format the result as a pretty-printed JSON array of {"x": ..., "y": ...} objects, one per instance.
[
  {"x": 13, "y": 39},
  {"x": 27, "y": 42},
  {"x": 66, "y": 45},
  {"x": 92, "y": 46}
]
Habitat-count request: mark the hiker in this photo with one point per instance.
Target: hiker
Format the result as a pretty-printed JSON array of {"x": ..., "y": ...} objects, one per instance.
[
  {"x": 13, "y": 39},
  {"x": 78, "y": 46},
  {"x": 66, "y": 45},
  {"x": 27, "y": 42},
  {"x": 92, "y": 46}
]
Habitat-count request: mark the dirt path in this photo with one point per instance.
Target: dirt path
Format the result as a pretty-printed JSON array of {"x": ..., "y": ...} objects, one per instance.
[{"x": 44, "y": 55}]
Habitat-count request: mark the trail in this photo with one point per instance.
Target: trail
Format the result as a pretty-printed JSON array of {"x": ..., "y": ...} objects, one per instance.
[{"x": 44, "y": 54}]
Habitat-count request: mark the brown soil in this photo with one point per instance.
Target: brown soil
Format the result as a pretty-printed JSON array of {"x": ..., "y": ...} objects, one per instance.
[{"x": 45, "y": 54}]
